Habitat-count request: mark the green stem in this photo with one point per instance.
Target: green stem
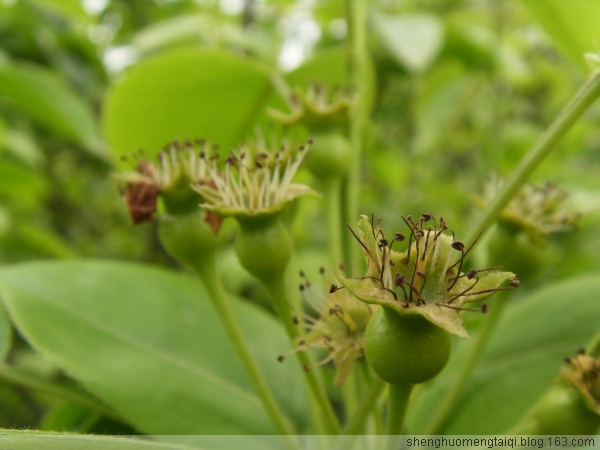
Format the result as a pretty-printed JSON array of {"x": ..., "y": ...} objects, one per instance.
[
  {"x": 358, "y": 67},
  {"x": 451, "y": 398},
  {"x": 547, "y": 142},
  {"x": 277, "y": 290},
  {"x": 333, "y": 203},
  {"x": 211, "y": 280},
  {"x": 355, "y": 426},
  {"x": 399, "y": 394}
]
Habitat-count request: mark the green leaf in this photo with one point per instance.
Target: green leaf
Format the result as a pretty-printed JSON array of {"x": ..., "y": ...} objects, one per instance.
[
  {"x": 573, "y": 25},
  {"x": 32, "y": 440},
  {"x": 329, "y": 66},
  {"x": 48, "y": 100},
  {"x": 413, "y": 41},
  {"x": 147, "y": 342},
  {"x": 530, "y": 344},
  {"x": 5, "y": 334},
  {"x": 184, "y": 94}
]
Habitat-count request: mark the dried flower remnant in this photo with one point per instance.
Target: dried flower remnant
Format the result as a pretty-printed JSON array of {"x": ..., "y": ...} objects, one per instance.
[
  {"x": 427, "y": 278},
  {"x": 253, "y": 182},
  {"x": 336, "y": 323},
  {"x": 141, "y": 195},
  {"x": 169, "y": 177}
]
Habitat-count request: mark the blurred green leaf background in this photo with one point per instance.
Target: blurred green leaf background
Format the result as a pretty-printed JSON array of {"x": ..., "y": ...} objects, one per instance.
[{"x": 461, "y": 90}]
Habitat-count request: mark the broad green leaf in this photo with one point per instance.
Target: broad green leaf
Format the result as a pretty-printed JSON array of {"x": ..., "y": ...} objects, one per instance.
[
  {"x": 328, "y": 66},
  {"x": 5, "y": 334},
  {"x": 574, "y": 25},
  {"x": 146, "y": 341},
  {"x": 412, "y": 40},
  {"x": 184, "y": 94},
  {"x": 51, "y": 102},
  {"x": 530, "y": 344},
  {"x": 33, "y": 440}
]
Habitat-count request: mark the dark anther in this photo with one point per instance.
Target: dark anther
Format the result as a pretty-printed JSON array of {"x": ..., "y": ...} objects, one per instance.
[
  {"x": 399, "y": 237},
  {"x": 301, "y": 287},
  {"x": 342, "y": 266},
  {"x": 568, "y": 360},
  {"x": 515, "y": 282},
  {"x": 333, "y": 288},
  {"x": 311, "y": 141},
  {"x": 384, "y": 242},
  {"x": 457, "y": 245},
  {"x": 322, "y": 270},
  {"x": 295, "y": 320},
  {"x": 426, "y": 217},
  {"x": 484, "y": 308},
  {"x": 301, "y": 148},
  {"x": 419, "y": 234},
  {"x": 281, "y": 358},
  {"x": 302, "y": 274},
  {"x": 471, "y": 274},
  {"x": 259, "y": 165},
  {"x": 306, "y": 368},
  {"x": 581, "y": 351},
  {"x": 400, "y": 279}
]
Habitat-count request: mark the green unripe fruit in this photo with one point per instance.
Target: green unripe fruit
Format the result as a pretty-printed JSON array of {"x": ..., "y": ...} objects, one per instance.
[
  {"x": 405, "y": 349},
  {"x": 329, "y": 155},
  {"x": 563, "y": 411},
  {"x": 263, "y": 247},
  {"x": 188, "y": 238}
]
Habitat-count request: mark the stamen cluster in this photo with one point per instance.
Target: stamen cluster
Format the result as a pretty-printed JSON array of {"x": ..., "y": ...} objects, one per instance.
[
  {"x": 336, "y": 322},
  {"x": 251, "y": 183},
  {"x": 427, "y": 278}
]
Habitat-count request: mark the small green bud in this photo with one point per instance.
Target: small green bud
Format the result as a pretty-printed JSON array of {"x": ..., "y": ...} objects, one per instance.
[
  {"x": 329, "y": 156},
  {"x": 189, "y": 238},
  {"x": 264, "y": 247}
]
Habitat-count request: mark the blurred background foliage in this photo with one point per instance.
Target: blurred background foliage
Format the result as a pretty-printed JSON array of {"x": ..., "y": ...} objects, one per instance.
[{"x": 460, "y": 91}]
